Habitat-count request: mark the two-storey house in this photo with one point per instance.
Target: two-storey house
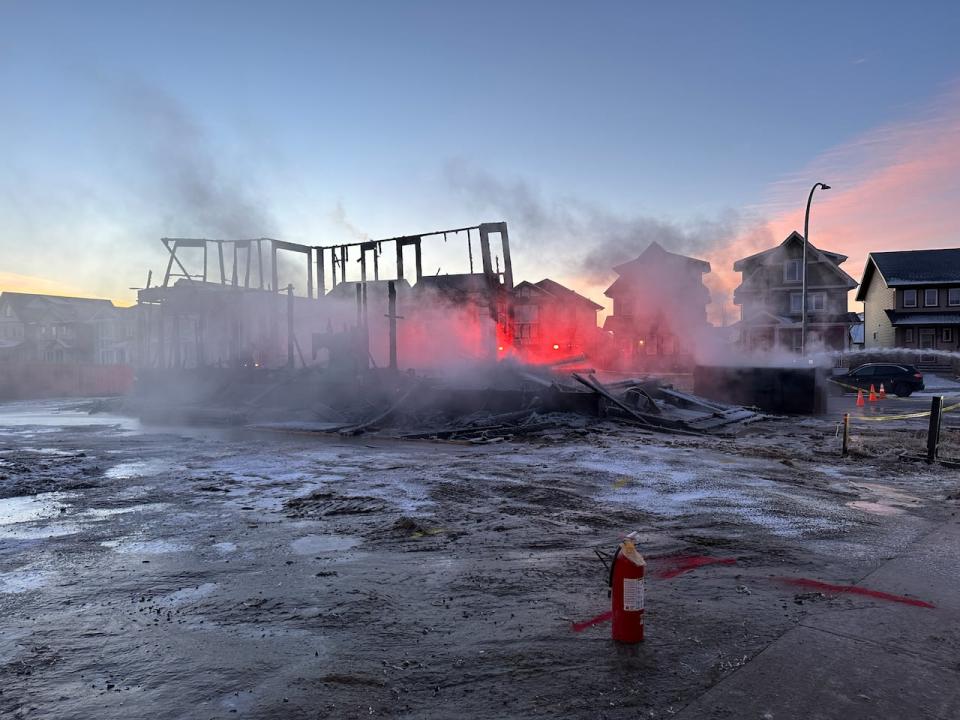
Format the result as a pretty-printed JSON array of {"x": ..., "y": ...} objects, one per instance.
[
  {"x": 770, "y": 297},
  {"x": 659, "y": 308},
  {"x": 911, "y": 299},
  {"x": 51, "y": 328},
  {"x": 551, "y": 319}
]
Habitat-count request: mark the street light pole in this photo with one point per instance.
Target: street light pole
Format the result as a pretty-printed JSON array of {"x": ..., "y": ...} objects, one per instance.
[{"x": 803, "y": 272}]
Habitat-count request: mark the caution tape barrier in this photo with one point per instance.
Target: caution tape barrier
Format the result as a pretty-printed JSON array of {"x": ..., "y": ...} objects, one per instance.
[{"x": 901, "y": 416}]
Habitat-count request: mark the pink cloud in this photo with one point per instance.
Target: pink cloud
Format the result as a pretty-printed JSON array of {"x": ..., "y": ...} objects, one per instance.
[{"x": 894, "y": 188}]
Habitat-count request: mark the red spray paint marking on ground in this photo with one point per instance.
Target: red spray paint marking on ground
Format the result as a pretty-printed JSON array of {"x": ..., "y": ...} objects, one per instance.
[
  {"x": 854, "y": 590},
  {"x": 671, "y": 567},
  {"x": 601, "y": 618}
]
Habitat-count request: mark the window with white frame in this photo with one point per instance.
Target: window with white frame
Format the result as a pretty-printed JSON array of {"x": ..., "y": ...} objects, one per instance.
[
  {"x": 908, "y": 335},
  {"x": 948, "y": 335},
  {"x": 931, "y": 297},
  {"x": 817, "y": 301},
  {"x": 791, "y": 271},
  {"x": 909, "y": 298},
  {"x": 796, "y": 302},
  {"x": 953, "y": 296}
]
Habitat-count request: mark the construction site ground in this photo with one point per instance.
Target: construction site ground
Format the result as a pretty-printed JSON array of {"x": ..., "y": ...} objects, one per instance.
[{"x": 172, "y": 572}]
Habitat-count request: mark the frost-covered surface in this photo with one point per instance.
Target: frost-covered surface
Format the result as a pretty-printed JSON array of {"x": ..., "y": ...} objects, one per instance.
[{"x": 182, "y": 572}]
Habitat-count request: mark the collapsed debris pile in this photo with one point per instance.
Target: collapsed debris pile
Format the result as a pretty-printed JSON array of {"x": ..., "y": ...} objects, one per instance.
[{"x": 480, "y": 404}]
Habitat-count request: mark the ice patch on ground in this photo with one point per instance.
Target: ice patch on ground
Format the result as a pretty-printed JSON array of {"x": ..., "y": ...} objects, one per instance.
[
  {"x": 21, "y": 581},
  {"x": 32, "y": 507},
  {"x": 146, "y": 547},
  {"x": 225, "y": 547},
  {"x": 187, "y": 595},
  {"x": 137, "y": 468}
]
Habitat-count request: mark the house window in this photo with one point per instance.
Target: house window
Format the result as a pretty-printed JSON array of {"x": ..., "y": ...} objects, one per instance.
[
  {"x": 953, "y": 296},
  {"x": 909, "y": 298},
  {"x": 931, "y": 297},
  {"x": 908, "y": 335},
  {"x": 948, "y": 334},
  {"x": 791, "y": 271},
  {"x": 816, "y": 302}
]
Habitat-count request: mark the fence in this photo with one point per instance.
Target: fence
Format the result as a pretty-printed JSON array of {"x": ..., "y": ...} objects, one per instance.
[{"x": 31, "y": 380}]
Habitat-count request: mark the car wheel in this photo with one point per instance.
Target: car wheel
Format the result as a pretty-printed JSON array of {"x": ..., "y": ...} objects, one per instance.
[{"x": 901, "y": 390}]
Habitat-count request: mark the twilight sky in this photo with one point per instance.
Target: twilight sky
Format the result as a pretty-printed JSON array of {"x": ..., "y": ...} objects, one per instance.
[{"x": 591, "y": 128}]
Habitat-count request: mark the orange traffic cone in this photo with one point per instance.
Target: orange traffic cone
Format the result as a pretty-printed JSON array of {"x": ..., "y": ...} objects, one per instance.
[
  {"x": 883, "y": 393},
  {"x": 860, "y": 397},
  {"x": 873, "y": 394}
]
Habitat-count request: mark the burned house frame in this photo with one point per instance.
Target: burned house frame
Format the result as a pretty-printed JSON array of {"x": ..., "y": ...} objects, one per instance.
[{"x": 228, "y": 309}]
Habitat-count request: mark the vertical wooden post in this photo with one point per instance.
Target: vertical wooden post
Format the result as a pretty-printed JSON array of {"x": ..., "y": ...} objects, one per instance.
[
  {"x": 234, "y": 279},
  {"x": 290, "y": 326},
  {"x": 177, "y": 358},
  {"x": 205, "y": 243},
  {"x": 418, "y": 259},
  {"x": 321, "y": 280},
  {"x": 274, "y": 270},
  {"x": 223, "y": 272},
  {"x": 507, "y": 262},
  {"x": 392, "y": 315},
  {"x": 359, "y": 305},
  {"x": 846, "y": 434},
  {"x": 309, "y": 275},
  {"x": 399, "y": 244},
  {"x": 246, "y": 274},
  {"x": 933, "y": 431},
  {"x": 260, "y": 262}
]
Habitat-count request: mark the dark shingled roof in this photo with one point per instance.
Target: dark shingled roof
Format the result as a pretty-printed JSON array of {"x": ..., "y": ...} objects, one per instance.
[
  {"x": 32, "y": 308},
  {"x": 563, "y": 292},
  {"x": 907, "y": 267},
  {"x": 902, "y": 318}
]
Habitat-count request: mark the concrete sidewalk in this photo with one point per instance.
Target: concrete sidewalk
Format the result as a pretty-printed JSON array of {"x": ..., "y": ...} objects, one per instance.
[{"x": 858, "y": 658}]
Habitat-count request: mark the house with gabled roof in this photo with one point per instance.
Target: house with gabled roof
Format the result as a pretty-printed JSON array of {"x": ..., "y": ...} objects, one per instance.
[
  {"x": 551, "y": 318},
  {"x": 659, "y": 308},
  {"x": 52, "y": 328},
  {"x": 771, "y": 299},
  {"x": 911, "y": 299}
]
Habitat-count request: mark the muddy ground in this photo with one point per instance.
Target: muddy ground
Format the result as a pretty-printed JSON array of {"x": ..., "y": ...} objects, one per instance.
[{"x": 186, "y": 573}]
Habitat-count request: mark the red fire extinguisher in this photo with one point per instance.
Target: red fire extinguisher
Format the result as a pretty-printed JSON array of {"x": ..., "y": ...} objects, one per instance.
[{"x": 626, "y": 592}]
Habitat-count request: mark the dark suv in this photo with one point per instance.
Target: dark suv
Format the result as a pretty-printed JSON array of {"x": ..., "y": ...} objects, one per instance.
[{"x": 898, "y": 379}]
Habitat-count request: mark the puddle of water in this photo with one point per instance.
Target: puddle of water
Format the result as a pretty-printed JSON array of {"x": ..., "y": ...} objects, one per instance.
[
  {"x": 50, "y": 417},
  {"x": 137, "y": 468},
  {"x": 323, "y": 544},
  {"x": 225, "y": 547}
]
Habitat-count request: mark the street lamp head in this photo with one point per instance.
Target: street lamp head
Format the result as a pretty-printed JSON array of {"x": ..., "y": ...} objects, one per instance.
[{"x": 824, "y": 186}]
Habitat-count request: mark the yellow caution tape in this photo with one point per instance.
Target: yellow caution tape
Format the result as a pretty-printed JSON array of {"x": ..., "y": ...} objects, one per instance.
[{"x": 901, "y": 416}]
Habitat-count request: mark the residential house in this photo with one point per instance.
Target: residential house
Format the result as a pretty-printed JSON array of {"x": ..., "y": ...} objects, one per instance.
[
  {"x": 50, "y": 328},
  {"x": 549, "y": 318},
  {"x": 911, "y": 299},
  {"x": 659, "y": 308},
  {"x": 771, "y": 299}
]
